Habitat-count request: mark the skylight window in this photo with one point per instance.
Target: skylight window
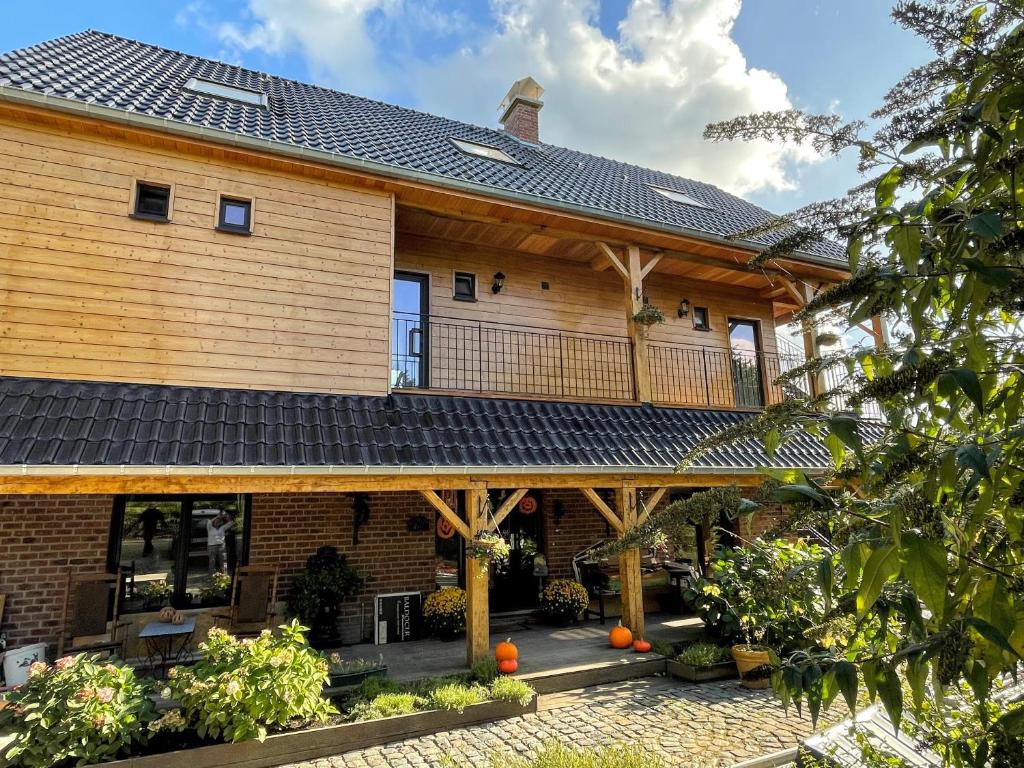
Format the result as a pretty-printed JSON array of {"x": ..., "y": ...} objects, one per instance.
[
  {"x": 221, "y": 91},
  {"x": 677, "y": 197},
  {"x": 483, "y": 150}
]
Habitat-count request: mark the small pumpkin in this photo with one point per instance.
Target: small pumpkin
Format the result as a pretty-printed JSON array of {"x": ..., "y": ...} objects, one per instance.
[
  {"x": 508, "y": 666},
  {"x": 620, "y": 637},
  {"x": 506, "y": 651},
  {"x": 167, "y": 614},
  {"x": 641, "y": 646}
]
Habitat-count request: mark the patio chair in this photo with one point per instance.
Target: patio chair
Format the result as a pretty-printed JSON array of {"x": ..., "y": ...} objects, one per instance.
[
  {"x": 90, "y": 620},
  {"x": 253, "y": 601}
]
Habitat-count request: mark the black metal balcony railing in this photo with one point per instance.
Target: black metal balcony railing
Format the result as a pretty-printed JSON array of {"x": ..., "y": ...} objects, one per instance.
[
  {"x": 503, "y": 358},
  {"x": 430, "y": 352}
]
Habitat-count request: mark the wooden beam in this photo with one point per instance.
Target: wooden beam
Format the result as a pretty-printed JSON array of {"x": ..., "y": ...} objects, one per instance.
[
  {"x": 880, "y": 331},
  {"x": 650, "y": 505},
  {"x": 447, "y": 513},
  {"x": 630, "y": 576},
  {"x": 811, "y": 348},
  {"x": 608, "y": 258},
  {"x": 634, "y": 286},
  {"x": 604, "y": 509},
  {"x": 506, "y": 507},
  {"x": 478, "y": 638},
  {"x": 650, "y": 265}
]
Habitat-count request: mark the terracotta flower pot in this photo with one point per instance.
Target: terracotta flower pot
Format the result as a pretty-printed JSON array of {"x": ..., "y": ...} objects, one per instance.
[{"x": 748, "y": 657}]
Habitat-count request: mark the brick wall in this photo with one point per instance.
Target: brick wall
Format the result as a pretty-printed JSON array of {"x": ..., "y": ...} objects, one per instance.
[
  {"x": 40, "y": 538},
  {"x": 287, "y": 528},
  {"x": 580, "y": 526}
]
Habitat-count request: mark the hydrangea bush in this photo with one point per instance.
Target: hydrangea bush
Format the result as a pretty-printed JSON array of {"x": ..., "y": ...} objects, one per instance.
[
  {"x": 243, "y": 687},
  {"x": 80, "y": 710}
]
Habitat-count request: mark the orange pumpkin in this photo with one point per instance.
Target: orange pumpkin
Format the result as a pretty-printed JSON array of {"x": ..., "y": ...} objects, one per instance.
[
  {"x": 506, "y": 651},
  {"x": 641, "y": 646},
  {"x": 508, "y": 666},
  {"x": 620, "y": 637}
]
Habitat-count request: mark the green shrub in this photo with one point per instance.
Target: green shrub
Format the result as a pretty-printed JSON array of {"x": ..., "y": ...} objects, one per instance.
[
  {"x": 389, "y": 705},
  {"x": 243, "y": 687},
  {"x": 555, "y": 755},
  {"x": 372, "y": 687},
  {"x": 457, "y": 697},
  {"x": 318, "y": 591},
  {"x": 484, "y": 672},
  {"x": 703, "y": 654},
  {"x": 78, "y": 711},
  {"x": 511, "y": 689}
]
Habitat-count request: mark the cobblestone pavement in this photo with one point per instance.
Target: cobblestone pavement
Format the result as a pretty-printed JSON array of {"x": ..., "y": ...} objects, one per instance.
[{"x": 707, "y": 725}]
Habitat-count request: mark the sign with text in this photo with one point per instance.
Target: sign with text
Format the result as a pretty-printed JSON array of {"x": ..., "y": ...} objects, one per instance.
[{"x": 397, "y": 617}]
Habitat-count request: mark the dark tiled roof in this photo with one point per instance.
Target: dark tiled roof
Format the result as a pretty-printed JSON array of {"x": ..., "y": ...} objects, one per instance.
[
  {"x": 49, "y": 421},
  {"x": 98, "y": 68}
]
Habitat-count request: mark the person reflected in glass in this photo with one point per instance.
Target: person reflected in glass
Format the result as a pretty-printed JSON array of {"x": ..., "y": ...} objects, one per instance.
[
  {"x": 217, "y": 529},
  {"x": 150, "y": 520}
]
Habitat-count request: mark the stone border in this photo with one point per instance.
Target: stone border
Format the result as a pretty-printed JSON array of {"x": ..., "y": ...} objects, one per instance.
[
  {"x": 296, "y": 746},
  {"x": 720, "y": 671}
]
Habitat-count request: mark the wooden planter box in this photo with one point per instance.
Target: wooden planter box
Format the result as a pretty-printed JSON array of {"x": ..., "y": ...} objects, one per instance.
[
  {"x": 720, "y": 671},
  {"x": 351, "y": 679},
  {"x": 296, "y": 746}
]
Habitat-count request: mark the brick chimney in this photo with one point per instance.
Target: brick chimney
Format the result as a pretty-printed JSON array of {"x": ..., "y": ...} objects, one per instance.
[{"x": 520, "y": 109}]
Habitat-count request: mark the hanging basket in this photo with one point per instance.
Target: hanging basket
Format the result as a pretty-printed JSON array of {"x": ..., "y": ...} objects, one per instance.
[{"x": 488, "y": 547}]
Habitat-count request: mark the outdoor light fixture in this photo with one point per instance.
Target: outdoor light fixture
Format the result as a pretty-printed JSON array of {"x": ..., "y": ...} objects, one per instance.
[
  {"x": 684, "y": 308},
  {"x": 499, "y": 282}
]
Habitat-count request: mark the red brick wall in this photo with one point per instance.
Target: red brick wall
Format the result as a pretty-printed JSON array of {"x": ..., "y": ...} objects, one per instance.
[
  {"x": 581, "y": 525},
  {"x": 287, "y": 528},
  {"x": 40, "y": 538},
  {"x": 523, "y": 121}
]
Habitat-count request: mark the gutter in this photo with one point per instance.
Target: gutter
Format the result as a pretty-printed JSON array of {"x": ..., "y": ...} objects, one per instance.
[
  {"x": 390, "y": 470},
  {"x": 219, "y": 136}
]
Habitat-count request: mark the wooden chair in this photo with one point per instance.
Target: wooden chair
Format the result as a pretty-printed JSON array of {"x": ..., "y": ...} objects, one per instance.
[
  {"x": 90, "y": 620},
  {"x": 253, "y": 601}
]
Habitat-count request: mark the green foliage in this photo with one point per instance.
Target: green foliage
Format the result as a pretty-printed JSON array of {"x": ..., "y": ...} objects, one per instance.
[
  {"x": 649, "y": 315},
  {"x": 485, "y": 671},
  {"x": 704, "y": 654},
  {"x": 372, "y": 687},
  {"x": 932, "y": 563},
  {"x": 389, "y": 705},
  {"x": 768, "y": 592},
  {"x": 556, "y": 755},
  {"x": 318, "y": 591},
  {"x": 240, "y": 688},
  {"x": 455, "y": 696},
  {"x": 77, "y": 712},
  {"x": 511, "y": 689}
]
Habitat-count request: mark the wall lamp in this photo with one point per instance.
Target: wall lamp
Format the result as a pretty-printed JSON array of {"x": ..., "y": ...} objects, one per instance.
[
  {"x": 499, "y": 282},
  {"x": 684, "y": 308}
]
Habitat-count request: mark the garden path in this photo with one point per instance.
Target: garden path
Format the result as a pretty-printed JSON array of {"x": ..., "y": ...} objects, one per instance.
[{"x": 707, "y": 725}]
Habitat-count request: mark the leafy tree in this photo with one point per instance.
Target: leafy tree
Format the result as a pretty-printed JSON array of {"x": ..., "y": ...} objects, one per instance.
[{"x": 931, "y": 521}]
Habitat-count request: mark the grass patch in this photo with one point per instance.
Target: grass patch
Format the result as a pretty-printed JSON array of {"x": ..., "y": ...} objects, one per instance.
[
  {"x": 389, "y": 705},
  {"x": 484, "y": 672},
  {"x": 456, "y": 697},
  {"x": 704, "y": 654},
  {"x": 555, "y": 755},
  {"x": 511, "y": 689}
]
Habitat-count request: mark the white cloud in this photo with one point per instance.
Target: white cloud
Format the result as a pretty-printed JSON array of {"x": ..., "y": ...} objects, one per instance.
[{"x": 643, "y": 98}]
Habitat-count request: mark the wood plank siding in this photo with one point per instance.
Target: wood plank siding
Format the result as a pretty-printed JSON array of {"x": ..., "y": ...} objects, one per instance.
[{"x": 87, "y": 292}]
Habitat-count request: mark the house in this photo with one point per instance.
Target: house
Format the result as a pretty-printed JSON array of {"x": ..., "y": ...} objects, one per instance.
[{"x": 355, "y": 324}]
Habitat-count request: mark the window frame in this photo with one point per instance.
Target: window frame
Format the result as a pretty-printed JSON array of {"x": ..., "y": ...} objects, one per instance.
[
  {"x": 115, "y": 538},
  {"x": 226, "y": 92},
  {"x": 133, "y": 204},
  {"x": 456, "y": 274},
  {"x": 675, "y": 196},
  {"x": 706, "y": 325},
  {"x": 490, "y": 152},
  {"x": 223, "y": 201}
]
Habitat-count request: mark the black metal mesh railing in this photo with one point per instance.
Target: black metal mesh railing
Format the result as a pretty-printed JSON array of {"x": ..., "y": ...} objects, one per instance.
[{"x": 447, "y": 353}]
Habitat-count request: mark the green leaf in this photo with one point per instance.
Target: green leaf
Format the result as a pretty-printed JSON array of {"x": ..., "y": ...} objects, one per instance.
[
  {"x": 890, "y": 691},
  {"x": 845, "y": 428},
  {"x": 987, "y": 225},
  {"x": 969, "y": 383},
  {"x": 906, "y": 241},
  {"x": 882, "y": 565},
  {"x": 885, "y": 191},
  {"x": 771, "y": 441},
  {"x": 845, "y": 674},
  {"x": 926, "y": 568}
]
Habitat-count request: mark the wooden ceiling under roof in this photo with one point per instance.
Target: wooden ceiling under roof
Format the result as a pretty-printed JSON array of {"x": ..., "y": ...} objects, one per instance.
[{"x": 422, "y": 227}]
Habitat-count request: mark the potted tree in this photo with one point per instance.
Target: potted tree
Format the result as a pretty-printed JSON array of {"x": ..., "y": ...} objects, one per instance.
[{"x": 318, "y": 592}]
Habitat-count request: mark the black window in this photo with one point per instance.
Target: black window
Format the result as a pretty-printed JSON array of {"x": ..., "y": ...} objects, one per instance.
[
  {"x": 177, "y": 550},
  {"x": 152, "y": 201},
  {"x": 701, "y": 319},
  {"x": 465, "y": 286},
  {"x": 235, "y": 215}
]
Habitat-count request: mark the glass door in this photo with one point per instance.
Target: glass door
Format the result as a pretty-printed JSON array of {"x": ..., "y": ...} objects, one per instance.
[
  {"x": 745, "y": 347},
  {"x": 409, "y": 331}
]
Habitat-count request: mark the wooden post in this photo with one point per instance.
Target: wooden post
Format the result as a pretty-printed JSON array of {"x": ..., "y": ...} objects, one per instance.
[
  {"x": 478, "y": 640},
  {"x": 629, "y": 565},
  {"x": 879, "y": 331},
  {"x": 634, "y": 303},
  {"x": 811, "y": 348}
]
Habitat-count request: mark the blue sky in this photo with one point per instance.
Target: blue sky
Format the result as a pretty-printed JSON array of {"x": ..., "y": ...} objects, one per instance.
[{"x": 632, "y": 79}]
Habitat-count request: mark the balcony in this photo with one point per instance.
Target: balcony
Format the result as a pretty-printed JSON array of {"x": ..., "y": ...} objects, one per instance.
[{"x": 465, "y": 356}]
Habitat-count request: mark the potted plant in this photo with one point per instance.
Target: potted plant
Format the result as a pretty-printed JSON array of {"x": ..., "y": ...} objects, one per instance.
[
  {"x": 563, "y": 600},
  {"x": 154, "y": 594},
  {"x": 702, "y": 661},
  {"x": 344, "y": 674},
  {"x": 216, "y": 592},
  {"x": 318, "y": 592},
  {"x": 757, "y": 677},
  {"x": 489, "y": 547},
  {"x": 444, "y": 612},
  {"x": 649, "y": 315}
]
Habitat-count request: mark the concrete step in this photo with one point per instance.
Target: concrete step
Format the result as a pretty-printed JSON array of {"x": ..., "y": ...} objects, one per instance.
[{"x": 585, "y": 675}]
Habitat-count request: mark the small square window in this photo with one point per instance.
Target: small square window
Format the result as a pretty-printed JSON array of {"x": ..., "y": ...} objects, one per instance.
[
  {"x": 235, "y": 215},
  {"x": 152, "y": 201},
  {"x": 465, "y": 286},
  {"x": 701, "y": 319}
]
